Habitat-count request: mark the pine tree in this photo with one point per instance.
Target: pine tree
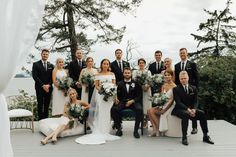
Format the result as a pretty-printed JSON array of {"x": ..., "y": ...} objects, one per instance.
[
  {"x": 219, "y": 34},
  {"x": 67, "y": 22}
]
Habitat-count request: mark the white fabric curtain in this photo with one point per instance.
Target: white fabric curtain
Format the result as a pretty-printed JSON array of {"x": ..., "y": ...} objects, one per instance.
[{"x": 20, "y": 23}]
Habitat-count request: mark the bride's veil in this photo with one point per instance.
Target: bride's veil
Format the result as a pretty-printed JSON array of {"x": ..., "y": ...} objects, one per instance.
[{"x": 93, "y": 111}]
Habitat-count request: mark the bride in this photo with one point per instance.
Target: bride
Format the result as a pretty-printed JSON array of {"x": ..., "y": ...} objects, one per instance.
[{"x": 99, "y": 115}]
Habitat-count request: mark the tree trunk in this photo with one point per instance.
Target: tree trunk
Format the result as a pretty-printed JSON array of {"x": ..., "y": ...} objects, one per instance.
[{"x": 71, "y": 28}]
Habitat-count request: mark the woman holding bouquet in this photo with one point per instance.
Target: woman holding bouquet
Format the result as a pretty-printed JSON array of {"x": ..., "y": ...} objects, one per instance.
[
  {"x": 87, "y": 80},
  {"x": 141, "y": 76},
  {"x": 59, "y": 77},
  {"x": 72, "y": 110},
  {"x": 158, "y": 113},
  {"x": 102, "y": 101}
]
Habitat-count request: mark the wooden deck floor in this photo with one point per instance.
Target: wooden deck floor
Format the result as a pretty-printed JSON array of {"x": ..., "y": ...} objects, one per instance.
[{"x": 26, "y": 144}]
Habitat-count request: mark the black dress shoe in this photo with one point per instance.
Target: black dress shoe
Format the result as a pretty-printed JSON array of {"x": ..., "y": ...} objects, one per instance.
[
  {"x": 194, "y": 131},
  {"x": 119, "y": 132},
  {"x": 207, "y": 139},
  {"x": 136, "y": 134},
  {"x": 185, "y": 141}
]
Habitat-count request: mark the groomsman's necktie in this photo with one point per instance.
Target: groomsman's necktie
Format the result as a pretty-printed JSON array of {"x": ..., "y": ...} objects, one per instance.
[
  {"x": 158, "y": 66},
  {"x": 45, "y": 65},
  {"x": 182, "y": 69},
  {"x": 120, "y": 65},
  {"x": 80, "y": 63},
  {"x": 186, "y": 89}
]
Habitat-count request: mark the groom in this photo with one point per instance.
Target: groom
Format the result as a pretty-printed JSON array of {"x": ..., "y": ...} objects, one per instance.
[
  {"x": 185, "y": 96},
  {"x": 129, "y": 95}
]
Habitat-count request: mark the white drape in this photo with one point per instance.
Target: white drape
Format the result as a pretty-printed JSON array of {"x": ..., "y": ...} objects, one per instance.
[{"x": 20, "y": 23}]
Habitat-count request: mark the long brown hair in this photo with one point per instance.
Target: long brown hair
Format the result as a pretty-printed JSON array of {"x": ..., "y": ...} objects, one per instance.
[{"x": 105, "y": 59}]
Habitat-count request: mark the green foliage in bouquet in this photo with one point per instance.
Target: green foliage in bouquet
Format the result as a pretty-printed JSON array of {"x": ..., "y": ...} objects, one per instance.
[{"x": 159, "y": 99}]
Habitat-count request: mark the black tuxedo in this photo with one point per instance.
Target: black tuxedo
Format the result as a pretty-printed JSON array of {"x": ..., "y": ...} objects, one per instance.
[
  {"x": 191, "y": 68},
  {"x": 117, "y": 71},
  {"x": 135, "y": 93},
  {"x": 42, "y": 77},
  {"x": 153, "y": 68},
  {"x": 183, "y": 102},
  {"x": 74, "y": 73}
]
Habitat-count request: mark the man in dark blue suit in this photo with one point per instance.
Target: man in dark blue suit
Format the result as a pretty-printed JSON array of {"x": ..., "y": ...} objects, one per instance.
[
  {"x": 185, "y": 96},
  {"x": 42, "y": 75}
]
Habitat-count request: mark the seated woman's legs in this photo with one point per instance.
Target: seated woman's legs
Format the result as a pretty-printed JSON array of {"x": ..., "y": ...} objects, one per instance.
[
  {"x": 154, "y": 118},
  {"x": 53, "y": 136}
]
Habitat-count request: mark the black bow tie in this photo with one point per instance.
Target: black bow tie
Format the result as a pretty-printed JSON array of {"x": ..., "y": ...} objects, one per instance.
[{"x": 128, "y": 82}]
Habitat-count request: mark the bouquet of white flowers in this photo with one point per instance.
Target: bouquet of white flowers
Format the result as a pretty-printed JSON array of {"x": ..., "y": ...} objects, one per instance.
[
  {"x": 156, "y": 81},
  {"x": 141, "y": 77},
  {"x": 76, "y": 111},
  {"x": 108, "y": 90},
  {"x": 159, "y": 99},
  {"x": 64, "y": 84}
]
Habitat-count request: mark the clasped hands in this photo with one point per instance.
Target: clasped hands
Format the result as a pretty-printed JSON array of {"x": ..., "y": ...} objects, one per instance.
[
  {"x": 191, "y": 112},
  {"x": 128, "y": 103}
]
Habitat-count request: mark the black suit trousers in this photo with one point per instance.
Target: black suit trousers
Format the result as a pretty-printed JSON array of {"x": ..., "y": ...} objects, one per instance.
[
  {"x": 43, "y": 100},
  {"x": 200, "y": 115},
  {"x": 116, "y": 114}
]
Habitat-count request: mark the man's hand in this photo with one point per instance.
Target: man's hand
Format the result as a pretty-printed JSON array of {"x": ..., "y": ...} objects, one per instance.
[
  {"x": 78, "y": 85},
  {"x": 117, "y": 101},
  {"x": 129, "y": 103},
  {"x": 191, "y": 112},
  {"x": 46, "y": 88}
]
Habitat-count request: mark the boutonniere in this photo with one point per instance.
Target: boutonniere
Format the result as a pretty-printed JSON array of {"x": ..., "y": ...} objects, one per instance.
[
  {"x": 191, "y": 91},
  {"x": 125, "y": 64},
  {"x": 132, "y": 85}
]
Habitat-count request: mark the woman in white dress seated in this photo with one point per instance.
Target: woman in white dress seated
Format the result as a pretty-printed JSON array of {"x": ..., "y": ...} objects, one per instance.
[
  {"x": 58, "y": 96},
  {"x": 99, "y": 115},
  {"x": 67, "y": 120},
  {"x": 86, "y": 79},
  {"x": 157, "y": 115}
]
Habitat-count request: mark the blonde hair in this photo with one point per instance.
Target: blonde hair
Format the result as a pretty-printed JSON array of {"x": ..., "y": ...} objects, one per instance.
[
  {"x": 69, "y": 91},
  {"x": 57, "y": 61},
  {"x": 182, "y": 73}
]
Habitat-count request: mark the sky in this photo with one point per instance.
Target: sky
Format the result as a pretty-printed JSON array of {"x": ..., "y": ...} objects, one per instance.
[{"x": 163, "y": 25}]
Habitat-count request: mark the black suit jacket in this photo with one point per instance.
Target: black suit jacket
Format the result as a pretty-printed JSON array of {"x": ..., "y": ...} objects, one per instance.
[
  {"x": 183, "y": 100},
  {"x": 75, "y": 69},
  {"x": 135, "y": 92},
  {"x": 153, "y": 69},
  {"x": 42, "y": 76},
  {"x": 191, "y": 68},
  {"x": 116, "y": 70}
]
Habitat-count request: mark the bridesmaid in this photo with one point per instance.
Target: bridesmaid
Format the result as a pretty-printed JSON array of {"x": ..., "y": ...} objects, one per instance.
[
  {"x": 155, "y": 113},
  {"x": 87, "y": 89},
  {"x": 63, "y": 123},
  {"x": 147, "y": 104}
]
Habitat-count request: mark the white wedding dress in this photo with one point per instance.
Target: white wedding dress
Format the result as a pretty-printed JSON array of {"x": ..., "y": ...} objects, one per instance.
[
  {"x": 100, "y": 120},
  {"x": 58, "y": 98},
  {"x": 163, "y": 125}
]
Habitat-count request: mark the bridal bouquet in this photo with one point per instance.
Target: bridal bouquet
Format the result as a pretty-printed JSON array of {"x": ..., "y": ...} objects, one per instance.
[
  {"x": 156, "y": 81},
  {"x": 141, "y": 77},
  {"x": 159, "y": 99},
  {"x": 108, "y": 90},
  {"x": 76, "y": 111},
  {"x": 87, "y": 79},
  {"x": 64, "y": 84}
]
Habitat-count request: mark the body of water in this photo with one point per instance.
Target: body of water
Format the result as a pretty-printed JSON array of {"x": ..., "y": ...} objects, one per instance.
[{"x": 17, "y": 84}]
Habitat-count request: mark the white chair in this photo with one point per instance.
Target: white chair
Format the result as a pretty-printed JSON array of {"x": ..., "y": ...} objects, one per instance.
[{"x": 20, "y": 114}]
